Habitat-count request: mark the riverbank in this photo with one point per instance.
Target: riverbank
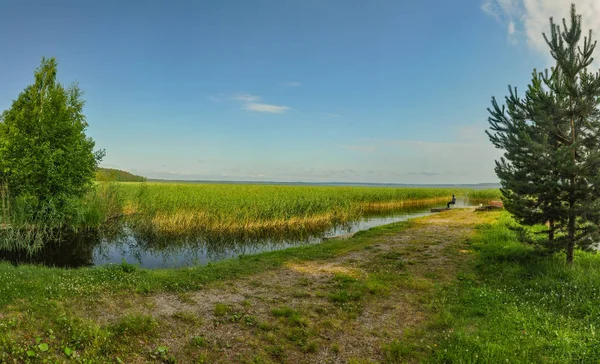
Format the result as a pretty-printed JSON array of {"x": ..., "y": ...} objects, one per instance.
[{"x": 409, "y": 291}]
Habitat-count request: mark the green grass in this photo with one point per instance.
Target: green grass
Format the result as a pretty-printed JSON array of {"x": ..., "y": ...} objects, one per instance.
[{"x": 515, "y": 306}]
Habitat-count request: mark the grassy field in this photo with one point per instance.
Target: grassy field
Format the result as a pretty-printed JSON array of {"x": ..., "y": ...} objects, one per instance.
[{"x": 512, "y": 305}]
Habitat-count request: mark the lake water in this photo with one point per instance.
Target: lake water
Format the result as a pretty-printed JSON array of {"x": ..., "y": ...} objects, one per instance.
[{"x": 149, "y": 252}]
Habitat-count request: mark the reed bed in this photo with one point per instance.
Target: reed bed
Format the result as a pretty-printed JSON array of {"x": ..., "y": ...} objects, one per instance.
[
  {"x": 181, "y": 209},
  {"x": 487, "y": 195}
]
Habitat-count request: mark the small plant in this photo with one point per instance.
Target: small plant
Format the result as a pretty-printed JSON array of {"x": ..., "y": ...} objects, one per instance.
[
  {"x": 292, "y": 316},
  {"x": 199, "y": 341},
  {"x": 395, "y": 351},
  {"x": 276, "y": 351},
  {"x": 311, "y": 347},
  {"x": 221, "y": 309},
  {"x": 127, "y": 267},
  {"x": 335, "y": 348},
  {"x": 163, "y": 353}
]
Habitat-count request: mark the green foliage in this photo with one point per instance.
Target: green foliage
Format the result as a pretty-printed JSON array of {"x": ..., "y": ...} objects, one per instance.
[
  {"x": 550, "y": 171},
  {"x": 46, "y": 160},
  {"x": 117, "y": 175}
]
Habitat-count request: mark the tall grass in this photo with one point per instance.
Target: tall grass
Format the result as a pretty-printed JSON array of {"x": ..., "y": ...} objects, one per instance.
[
  {"x": 222, "y": 209},
  {"x": 478, "y": 196}
]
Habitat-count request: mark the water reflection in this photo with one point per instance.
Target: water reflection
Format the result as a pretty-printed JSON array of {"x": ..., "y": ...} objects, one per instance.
[{"x": 149, "y": 250}]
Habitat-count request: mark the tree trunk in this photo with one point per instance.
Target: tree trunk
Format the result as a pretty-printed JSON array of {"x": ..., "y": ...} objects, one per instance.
[
  {"x": 551, "y": 231},
  {"x": 571, "y": 227},
  {"x": 571, "y": 242}
]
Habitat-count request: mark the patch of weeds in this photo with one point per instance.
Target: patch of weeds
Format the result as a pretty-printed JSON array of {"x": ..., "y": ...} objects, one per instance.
[
  {"x": 81, "y": 334},
  {"x": 300, "y": 294},
  {"x": 310, "y": 347},
  {"x": 292, "y": 316},
  {"x": 331, "y": 324},
  {"x": 304, "y": 282},
  {"x": 349, "y": 291},
  {"x": 321, "y": 309},
  {"x": 335, "y": 348},
  {"x": 221, "y": 309},
  {"x": 359, "y": 361},
  {"x": 246, "y": 319},
  {"x": 143, "y": 288},
  {"x": 298, "y": 335},
  {"x": 284, "y": 311},
  {"x": 187, "y": 317},
  {"x": 389, "y": 261},
  {"x": 134, "y": 325},
  {"x": 162, "y": 353},
  {"x": 199, "y": 341},
  {"x": 127, "y": 267},
  {"x": 202, "y": 358},
  {"x": 276, "y": 351},
  {"x": 185, "y": 297},
  {"x": 265, "y": 326},
  {"x": 395, "y": 351},
  {"x": 379, "y": 284},
  {"x": 432, "y": 275},
  {"x": 417, "y": 284},
  {"x": 258, "y": 360}
]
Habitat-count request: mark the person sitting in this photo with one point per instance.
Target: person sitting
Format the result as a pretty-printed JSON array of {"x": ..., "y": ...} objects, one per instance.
[{"x": 451, "y": 202}]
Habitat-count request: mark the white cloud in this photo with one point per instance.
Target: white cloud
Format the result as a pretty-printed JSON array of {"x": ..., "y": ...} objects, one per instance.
[
  {"x": 511, "y": 28},
  {"x": 245, "y": 97},
  {"x": 250, "y": 102},
  {"x": 528, "y": 19},
  {"x": 273, "y": 109}
]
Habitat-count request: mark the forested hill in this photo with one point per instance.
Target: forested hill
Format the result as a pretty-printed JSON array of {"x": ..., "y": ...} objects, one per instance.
[{"x": 116, "y": 175}]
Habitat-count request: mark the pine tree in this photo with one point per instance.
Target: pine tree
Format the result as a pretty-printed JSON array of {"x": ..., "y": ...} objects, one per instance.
[{"x": 550, "y": 171}]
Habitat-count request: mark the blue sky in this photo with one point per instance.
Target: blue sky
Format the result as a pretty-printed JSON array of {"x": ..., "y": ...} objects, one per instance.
[{"x": 307, "y": 90}]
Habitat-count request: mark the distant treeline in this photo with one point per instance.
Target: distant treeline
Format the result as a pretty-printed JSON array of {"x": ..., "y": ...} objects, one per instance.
[{"x": 116, "y": 175}]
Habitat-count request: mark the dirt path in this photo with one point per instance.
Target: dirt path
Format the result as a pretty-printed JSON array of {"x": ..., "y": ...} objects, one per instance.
[{"x": 366, "y": 305}]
